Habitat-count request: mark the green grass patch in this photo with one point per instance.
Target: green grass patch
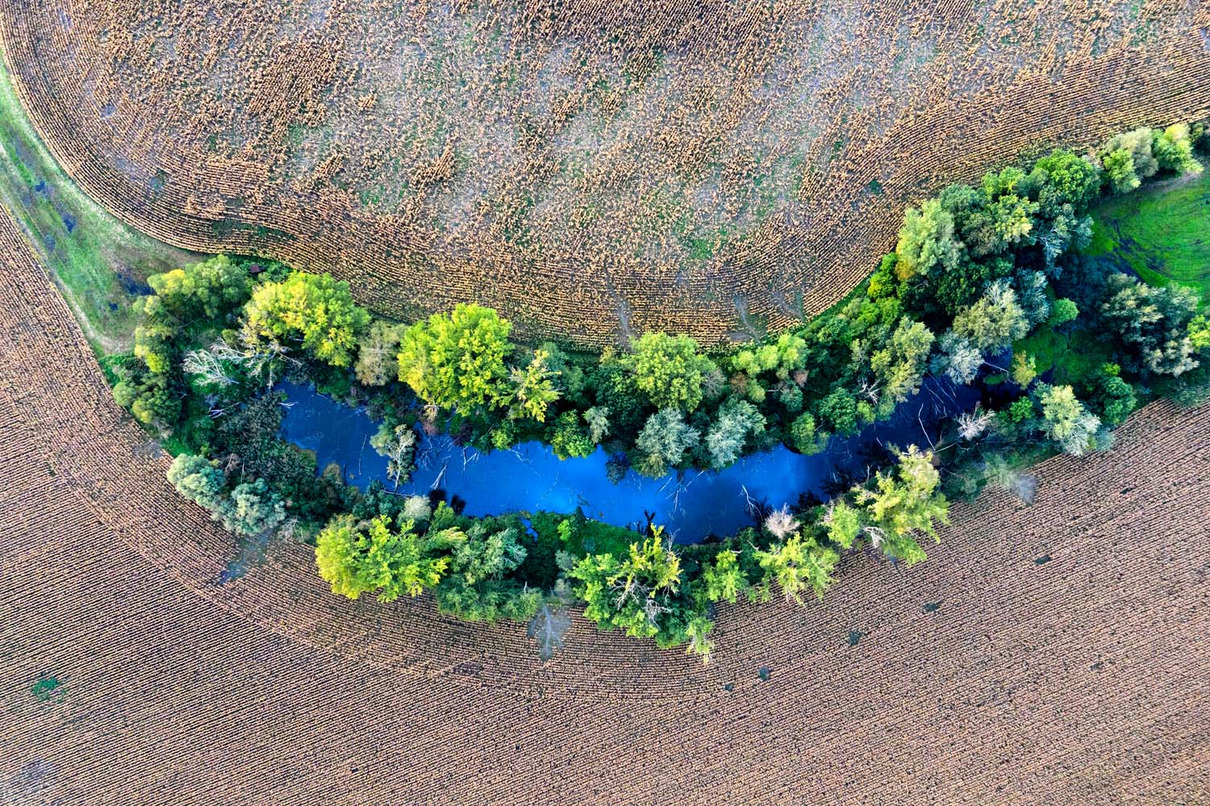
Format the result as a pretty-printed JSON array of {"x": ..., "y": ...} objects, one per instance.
[
  {"x": 98, "y": 262},
  {"x": 1161, "y": 232},
  {"x": 47, "y": 689},
  {"x": 1074, "y": 357}
]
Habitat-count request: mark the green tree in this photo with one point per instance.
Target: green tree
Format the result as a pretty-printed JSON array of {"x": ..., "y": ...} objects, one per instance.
[
  {"x": 1063, "y": 178},
  {"x": 904, "y": 505},
  {"x": 926, "y": 242},
  {"x": 796, "y": 565},
  {"x": 1066, "y": 420},
  {"x": 568, "y": 437},
  {"x": 196, "y": 478},
  {"x": 1114, "y": 396},
  {"x": 839, "y": 410},
  {"x": 359, "y": 557},
  {"x": 252, "y": 509},
  {"x": 1127, "y": 159},
  {"x": 664, "y": 441},
  {"x": 736, "y": 422},
  {"x": 1063, "y": 311},
  {"x": 1005, "y": 218},
  {"x": 314, "y": 311},
  {"x": 994, "y": 321},
  {"x": 722, "y": 580},
  {"x": 630, "y": 593},
  {"x": 669, "y": 370},
  {"x": 1173, "y": 150},
  {"x": 209, "y": 289},
  {"x": 842, "y": 524},
  {"x": 805, "y": 437},
  {"x": 475, "y": 588},
  {"x": 535, "y": 388},
  {"x": 899, "y": 365},
  {"x": 1152, "y": 324},
  {"x": 457, "y": 360}
]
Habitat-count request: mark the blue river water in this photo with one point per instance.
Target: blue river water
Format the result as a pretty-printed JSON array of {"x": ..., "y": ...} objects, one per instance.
[{"x": 691, "y": 506}]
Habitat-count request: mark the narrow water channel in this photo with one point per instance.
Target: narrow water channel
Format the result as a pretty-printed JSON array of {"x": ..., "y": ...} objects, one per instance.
[{"x": 692, "y": 505}]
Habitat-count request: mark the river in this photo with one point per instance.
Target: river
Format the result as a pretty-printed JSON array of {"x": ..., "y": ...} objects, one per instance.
[{"x": 691, "y": 506}]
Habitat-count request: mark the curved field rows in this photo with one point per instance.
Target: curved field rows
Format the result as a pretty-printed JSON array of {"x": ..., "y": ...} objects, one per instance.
[
  {"x": 591, "y": 169},
  {"x": 129, "y": 674}
]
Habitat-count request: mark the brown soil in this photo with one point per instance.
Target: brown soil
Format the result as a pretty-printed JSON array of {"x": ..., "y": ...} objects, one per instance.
[{"x": 587, "y": 167}]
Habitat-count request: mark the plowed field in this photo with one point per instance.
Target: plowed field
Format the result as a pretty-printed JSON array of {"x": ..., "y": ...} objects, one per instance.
[
  {"x": 590, "y": 168},
  {"x": 1050, "y": 654}
]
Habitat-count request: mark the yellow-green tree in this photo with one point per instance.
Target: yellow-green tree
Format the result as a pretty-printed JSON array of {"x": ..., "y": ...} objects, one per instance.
[
  {"x": 312, "y": 311},
  {"x": 904, "y": 505},
  {"x": 457, "y": 360},
  {"x": 669, "y": 370},
  {"x": 359, "y": 557}
]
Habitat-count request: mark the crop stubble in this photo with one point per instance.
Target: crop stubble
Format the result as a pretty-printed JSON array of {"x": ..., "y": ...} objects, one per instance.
[
  {"x": 590, "y": 168},
  {"x": 1079, "y": 679}
]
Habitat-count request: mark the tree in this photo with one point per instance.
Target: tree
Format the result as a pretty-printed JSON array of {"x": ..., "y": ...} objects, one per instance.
[
  {"x": 1066, "y": 420},
  {"x": 457, "y": 360},
  {"x": 664, "y": 441},
  {"x": 994, "y": 322},
  {"x": 782, "y": 357},
  {"x": 736, "y": 422},
  {"x": 486, "y": 554},
  {"x": 252, "y": 509},
  {"x": 797, "y": 564},
  {"x": 1114, "y": 396},
  {"x": 196, "y": 478},
  {"x": 376, "y": 354},
  {"x": 839, "y": 410},
  {"x": 804, "y": 436},
  {"x": 1023, "y": 369},
  {"x": 1063, "y": 178},
  {"x": 842, "y": 524},
  {"x": 314, "y": 311},
  {"x": 669, "y": 370},
  {"x": 209, "y": 289},
  {"x": 1173, "y": 150},
  {"x": 358, "y": 557},
  {"x": 1063, "y": 311},
  {"x": 926, "y": 242},
  {"x": 597, "y": 419},
  {"x": 535, "y": 388},
  {"x": 568, "y": 438},
  {"x": 903, "y": 506},
  {"x": 615, "y": 390},
  {"x": 957, "y": 358},
  {"x": 398, "y": 444},
  {"x": 633, "y": 592},
  {"x": 475, "y": 589},
  {"x": 1153, "y": 324},
  {"x": 899, "y": 366},
  {"x": 1127, "y": 159},
  {"x": 1005, "y": 219},
  {"x": 722, "y": 580}
]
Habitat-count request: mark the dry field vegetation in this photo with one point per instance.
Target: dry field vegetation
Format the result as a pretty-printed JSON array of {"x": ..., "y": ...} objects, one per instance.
[
  {"x": 1046, "y": 654},
  {"x": 589, "y": 168}
]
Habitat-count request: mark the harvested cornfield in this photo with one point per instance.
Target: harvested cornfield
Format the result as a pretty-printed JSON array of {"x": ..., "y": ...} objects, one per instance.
[
  {"x": 590, "y": 169},
  {"x": 1045, "y": 654}
]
